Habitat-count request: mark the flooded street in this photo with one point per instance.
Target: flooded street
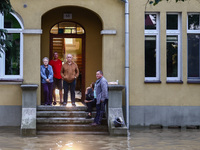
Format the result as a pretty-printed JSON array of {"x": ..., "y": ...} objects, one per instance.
[{"x": 139, "y": 139}]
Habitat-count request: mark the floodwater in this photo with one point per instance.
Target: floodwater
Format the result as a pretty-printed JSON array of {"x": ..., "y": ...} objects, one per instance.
[{"x": 139, "y": 139}]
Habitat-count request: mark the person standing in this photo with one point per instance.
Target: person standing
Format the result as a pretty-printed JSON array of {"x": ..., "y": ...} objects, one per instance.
[
  {"x": 46, "y": 72},
  {"x": 101, "y": 96},
  {"x": 57, "y": 78},
  {"x": 69, "y": 73}
]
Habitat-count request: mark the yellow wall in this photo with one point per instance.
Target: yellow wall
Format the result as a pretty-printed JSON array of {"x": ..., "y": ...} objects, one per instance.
[
  {"x": 162, "y": 94},
  {"x": 110, "y": 53},
  {"x": 106, "y": 15},
  {"x": 10, "y": 95}
]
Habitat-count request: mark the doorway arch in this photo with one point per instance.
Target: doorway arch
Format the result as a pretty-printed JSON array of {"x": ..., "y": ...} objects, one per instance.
[{"x": 92, "y": 44}]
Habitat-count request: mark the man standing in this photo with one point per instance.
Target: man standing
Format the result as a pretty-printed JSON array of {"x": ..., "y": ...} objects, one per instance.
[
  {"x": 69, "y": 73},
  {"x": 101, "y": 96},
  {"x": 56, "y": 65}
]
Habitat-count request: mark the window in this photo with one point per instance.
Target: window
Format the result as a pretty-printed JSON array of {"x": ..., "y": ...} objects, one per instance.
[
  {"x": 67, "y": 28},
  {"x": 11, "y": 60},
  {"x": 193, "y": 38},
  {"x": 173, "y": 47},
  {"x": 152, "y": 50}
]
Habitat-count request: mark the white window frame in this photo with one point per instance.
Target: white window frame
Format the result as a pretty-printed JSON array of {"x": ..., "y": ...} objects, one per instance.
[
  {"x": 2, "y": 58},
  {"x": 193, "y": 32},
  {"x": 156, "y": 33},
  {"x": 176, "y": 33}
]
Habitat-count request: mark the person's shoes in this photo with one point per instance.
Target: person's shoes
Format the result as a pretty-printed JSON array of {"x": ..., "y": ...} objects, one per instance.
[
  {"x": 88, "y": 117},
  {"x": 64, "y": 103},
  {"x": 74, "y": 105},
  {"x": 54, "y": 103}
]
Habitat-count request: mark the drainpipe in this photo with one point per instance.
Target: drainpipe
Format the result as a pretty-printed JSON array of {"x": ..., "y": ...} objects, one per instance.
[{"x": 127, "y": 60}]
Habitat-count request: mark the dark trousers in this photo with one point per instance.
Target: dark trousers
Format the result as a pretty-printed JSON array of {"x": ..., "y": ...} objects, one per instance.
[
  {"x": 90, "y": 105},
  {"x": 69, "y": 86},
  {"x": 47, "y": 91},
  {"x": 100, "y": 111}
]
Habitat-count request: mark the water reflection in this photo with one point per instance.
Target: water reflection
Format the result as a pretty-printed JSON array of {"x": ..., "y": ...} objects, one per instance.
[{"x": 139, "y": 139}]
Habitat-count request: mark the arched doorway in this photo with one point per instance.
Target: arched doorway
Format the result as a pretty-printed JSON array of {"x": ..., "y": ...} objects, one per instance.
[
  {"x": 69, "y": 38},
  {"x": 71, "y": 29}
]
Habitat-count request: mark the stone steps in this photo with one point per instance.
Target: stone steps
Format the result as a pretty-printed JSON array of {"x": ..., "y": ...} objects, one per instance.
[
  {"x": 63, "y": 114},
  {"x": 61, "y": 108},
  {"x": 67, "y": 120},
  {"x": 68, "y": 132},
  {"x": 71, "y": 127}
]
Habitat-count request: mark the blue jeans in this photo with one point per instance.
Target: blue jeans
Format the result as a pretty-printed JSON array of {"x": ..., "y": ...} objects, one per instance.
[
  {"x": 69, "y": 86},
  {"x": 100, "y": 111}
]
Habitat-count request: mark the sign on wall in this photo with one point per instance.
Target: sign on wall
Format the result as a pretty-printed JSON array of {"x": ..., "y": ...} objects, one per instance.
[{"x": 67, "y": 16}]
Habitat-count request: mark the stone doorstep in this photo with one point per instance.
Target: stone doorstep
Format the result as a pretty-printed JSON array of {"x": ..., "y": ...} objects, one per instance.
[
  {"x": 71, "y": 127},
  {"x": 61, "y": 108},
  {"x": 68, "y": 120},
  {"x": 69, "y": 132},
  {"x": 61, "y": 119},
  {"x": 63, "y": 114}
]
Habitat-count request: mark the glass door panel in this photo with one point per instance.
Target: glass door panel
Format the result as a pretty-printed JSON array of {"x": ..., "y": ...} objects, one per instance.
[
  {"x": 74, "y": 46},
  {"x": 64, "y": 46}
]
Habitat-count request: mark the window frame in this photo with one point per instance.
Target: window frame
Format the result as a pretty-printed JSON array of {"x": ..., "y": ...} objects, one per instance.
[
  {"x": 19, "y": 77},
  {"x": 193, "y": 31},
  {"x": 179, "y": 34},
  {"x": 156, "y": 32},
  {"x": 190, "y": 32}
]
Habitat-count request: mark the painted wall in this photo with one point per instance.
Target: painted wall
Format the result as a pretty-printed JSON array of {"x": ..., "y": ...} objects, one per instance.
[
  {"x": 36, "y": 46},
  {"x": 159, "y": 93},
  {"x": 160, "y": 103},
  {"x": 152, "y": 99}
]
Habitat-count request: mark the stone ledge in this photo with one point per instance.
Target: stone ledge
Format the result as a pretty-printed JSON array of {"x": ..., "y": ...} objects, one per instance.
[
  {"x": 116, "y": 87},
  {"x": 29, "y": 86}
]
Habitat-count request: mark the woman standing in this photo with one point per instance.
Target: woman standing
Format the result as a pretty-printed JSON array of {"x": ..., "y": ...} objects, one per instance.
[{"x": 47, "y": 80}]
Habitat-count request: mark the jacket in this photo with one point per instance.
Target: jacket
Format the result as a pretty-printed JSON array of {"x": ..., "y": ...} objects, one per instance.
[
  {"x": 101, "y": 90},
  {"x": 43, "y": 75},
  {"x": 69, "y": 72}
]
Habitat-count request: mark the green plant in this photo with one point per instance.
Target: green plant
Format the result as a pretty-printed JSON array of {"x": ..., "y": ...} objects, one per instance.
[
  {"x": 155, "y": 2},
  {"x": 5, "y": 8}
]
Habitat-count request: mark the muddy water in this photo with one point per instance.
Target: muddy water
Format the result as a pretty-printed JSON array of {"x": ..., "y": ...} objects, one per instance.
[{"x": 139, "y": 139}]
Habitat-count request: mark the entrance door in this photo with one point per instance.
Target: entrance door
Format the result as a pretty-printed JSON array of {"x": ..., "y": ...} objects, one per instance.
[{"x": 69, "y": 38}]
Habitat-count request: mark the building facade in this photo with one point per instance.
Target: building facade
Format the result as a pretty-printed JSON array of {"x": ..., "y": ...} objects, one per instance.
[{"x": 164, "y": 53}]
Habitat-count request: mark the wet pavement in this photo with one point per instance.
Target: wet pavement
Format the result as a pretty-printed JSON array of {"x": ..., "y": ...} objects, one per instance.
[{"x": 139, "y": 139}]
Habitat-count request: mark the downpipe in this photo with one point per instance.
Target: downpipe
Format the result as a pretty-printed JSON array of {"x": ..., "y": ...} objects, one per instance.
[{"x": 127, "y": 60}]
